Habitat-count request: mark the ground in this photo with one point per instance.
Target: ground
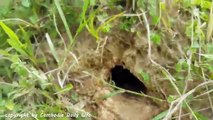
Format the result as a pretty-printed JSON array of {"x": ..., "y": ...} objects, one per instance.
[{"x": 57, "y": 57}]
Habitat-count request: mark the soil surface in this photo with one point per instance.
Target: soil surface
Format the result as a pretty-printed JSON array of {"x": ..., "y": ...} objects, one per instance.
[
  {"x": 93, "y": 72},
  {"x": 121, "y": 107}
]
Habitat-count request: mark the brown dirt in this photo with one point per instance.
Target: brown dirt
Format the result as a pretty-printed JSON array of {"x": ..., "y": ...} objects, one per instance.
[
  {"x": 93, "y": 68},
  {"x": 121, "y": 107},
  {"x": 129, "y": 49}
]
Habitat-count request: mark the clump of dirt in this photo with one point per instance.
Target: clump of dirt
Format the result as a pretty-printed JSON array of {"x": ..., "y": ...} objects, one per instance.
[{"x": 121, "y": 107}]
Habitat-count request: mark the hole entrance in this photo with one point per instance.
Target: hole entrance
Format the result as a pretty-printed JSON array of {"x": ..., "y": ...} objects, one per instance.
[{"x": 123, "y": 78}]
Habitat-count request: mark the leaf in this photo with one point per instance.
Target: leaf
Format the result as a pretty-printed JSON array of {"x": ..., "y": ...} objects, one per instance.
[
  {"x": 83, "y": 17},
  {"x": 102, "y": 17},
  {"x": 74, "y": 96},
  {"x": 20, "y": 69},
  {"x": 10, "y": 33},
  {"x": 46, "y": 94},
  {"x": 108, "y": 21},
  {"x": 3, "y": 10},
  {"x": 160, "y": 116},
  {"x": 34, "y": 19},
  {"x": 90, "y": 24},
  {"x": 202, "y": 3},
  {"x": 171, "y": 98},
  {"x": 208, "y": 56},
  {"x": 195, "y": 44},
  {"x": 162, "y": 6},
  {"x": 206, "y": 4},
  {"x": 14, "y": 40},
  {"x": 10, "y": 105},
  {"x": 92, "y": 2},
  {"x": 155, "y": 38},
  {"x": 210, "y": 26},
  {"x": 2, "y": 103},
  {"x": 107, "y": 28},
  {"x": 145, "y": 76},
  {"x": 78, "y": 3},
  {"x": 63, "y": 18},
  {"x": 27, "y": 41},
  {"x": 26, "y": 3},
  {"x": 200, "y": 116},
  {"x": 5, "y": 3},
  {"x": 66, "y": 89},
  {"x": 19, "y": 93},
  {"x": 209, "y": 47},
  {"x": 195, "y": 2},
  {"x": 141, "y": 4},
  {"x": 181, "y": 65}
]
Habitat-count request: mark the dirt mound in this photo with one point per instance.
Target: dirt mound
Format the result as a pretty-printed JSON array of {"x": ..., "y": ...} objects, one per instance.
[
  {"x": 121, "y": 107},
  {"x": 93, "y": 71}
]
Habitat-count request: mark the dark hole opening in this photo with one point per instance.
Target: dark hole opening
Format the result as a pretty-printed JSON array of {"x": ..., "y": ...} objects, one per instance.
[{"x": 123, "y": 78}]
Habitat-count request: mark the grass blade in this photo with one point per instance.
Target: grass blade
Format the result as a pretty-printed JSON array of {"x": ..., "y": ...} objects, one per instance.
[
  {"x": 52, "y": 48},
  {"x": 67, "y": 88},
  {"x": 63, "y": 18},
  {"x": 160, "y": 116},
  {"x": 210, "y": 24}
]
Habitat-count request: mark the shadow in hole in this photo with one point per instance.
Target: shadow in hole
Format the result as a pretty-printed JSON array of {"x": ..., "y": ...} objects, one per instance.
[{"x": 123, "y": 78}]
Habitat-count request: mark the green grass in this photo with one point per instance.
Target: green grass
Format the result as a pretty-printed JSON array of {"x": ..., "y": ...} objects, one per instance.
[{"x": 30, "y": 81}]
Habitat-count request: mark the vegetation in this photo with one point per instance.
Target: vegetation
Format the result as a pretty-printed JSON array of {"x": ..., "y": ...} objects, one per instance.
[{"x": 39, "y": 39}]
